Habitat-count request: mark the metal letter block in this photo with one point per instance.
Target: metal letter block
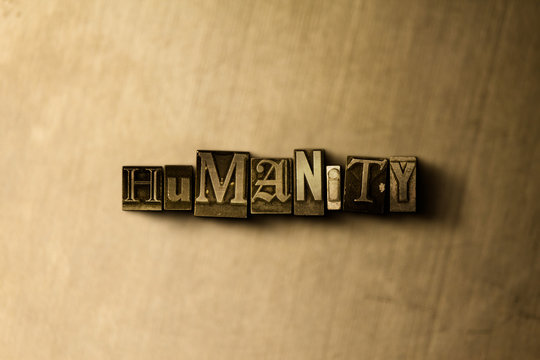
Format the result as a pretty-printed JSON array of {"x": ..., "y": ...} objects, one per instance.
[
  {"x": 178, "y": 187},
  {"x": 217, "y": 192},
  {"x": 142, "y": 188},
  {"x": 271, "y": 189},
  {"x": 309, "y": 182},
  {"x": 365, "y": 184},
  {"x": 402, "y": 184},
  {"x": 333, "y": 187}
]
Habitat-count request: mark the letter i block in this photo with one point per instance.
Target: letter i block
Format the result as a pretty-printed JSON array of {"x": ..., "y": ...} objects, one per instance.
[
  {"x": 142, "y": 188},
  {"x": 333, "y": 187},
  {"x": 178, "y": 187},
  {"x": 221, "y": 185},
  {"x": 271, "y": 186},
  {"x": 365, "y": 185},
  {"x": 402, "y": 184},
  {"x": 309, "y": 180}
]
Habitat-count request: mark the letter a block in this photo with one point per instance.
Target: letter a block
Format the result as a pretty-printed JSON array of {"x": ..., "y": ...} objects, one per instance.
[
  {"x": 271, "y": 186},
  {"x": 402, "y": 184},
  {"x": 365, "y": 185},
  {"x": 221, "y": 186},
  {"x": 142, "y": 188},
  {"x": 309, "y": 180},
  {"x": 178, "y": 187}
]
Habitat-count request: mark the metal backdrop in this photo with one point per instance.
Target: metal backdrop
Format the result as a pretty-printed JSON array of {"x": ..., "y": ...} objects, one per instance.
[{"x": 89, "y": 86}]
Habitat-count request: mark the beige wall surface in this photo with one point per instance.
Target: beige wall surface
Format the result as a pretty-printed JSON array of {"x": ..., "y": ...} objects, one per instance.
[{"x": 89, "y": 86}]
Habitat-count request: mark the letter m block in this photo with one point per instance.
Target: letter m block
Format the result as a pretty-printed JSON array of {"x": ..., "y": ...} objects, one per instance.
[{"x": 221, "y": 185}]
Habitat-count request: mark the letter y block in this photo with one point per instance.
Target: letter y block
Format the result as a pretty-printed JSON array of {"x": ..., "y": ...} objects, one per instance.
[{"x": 402, "y": 184}]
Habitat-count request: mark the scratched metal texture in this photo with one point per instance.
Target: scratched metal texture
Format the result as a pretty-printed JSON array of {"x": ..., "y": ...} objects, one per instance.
[{"x": 89, "y": 86}]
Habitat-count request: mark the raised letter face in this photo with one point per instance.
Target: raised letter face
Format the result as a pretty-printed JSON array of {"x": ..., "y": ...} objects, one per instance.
[
  {"x": 365, "y": 185},
  {"x": 221, "y": 184},
  {"x": 142, "y": 188},
  {"x": 333, "y": 187},
  {"x": 308, "y": 182},
  {"x": 402, "y": 184},
  {"x": 178, "y": 188},
  {"x": 271, "y": 188}
]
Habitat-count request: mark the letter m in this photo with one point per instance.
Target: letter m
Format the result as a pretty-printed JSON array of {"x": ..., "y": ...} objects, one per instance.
[{"x": 220, "y": 185}]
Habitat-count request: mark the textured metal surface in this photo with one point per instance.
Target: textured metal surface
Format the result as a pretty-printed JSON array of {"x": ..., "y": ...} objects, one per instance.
[
  {"x": 402, "y": 184},
  {"x": 309, "y": 182},
  {"x": 271, "y": 186},
  {"x": 178, "y": 187},
  {"x": 365, "y": 185},
  {"x": 142, "y": 188},
  {"x": 221, "y": 184},
  {"x": 333, "y": 187},
  {"x": 89, "y": 86}
]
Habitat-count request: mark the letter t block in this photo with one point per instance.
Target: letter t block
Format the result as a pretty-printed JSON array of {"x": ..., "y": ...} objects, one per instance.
[{"x": 365, "y": 184}]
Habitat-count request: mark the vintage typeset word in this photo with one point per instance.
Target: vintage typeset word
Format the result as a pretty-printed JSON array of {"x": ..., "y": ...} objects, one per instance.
[{"x": 231, "y": 184}]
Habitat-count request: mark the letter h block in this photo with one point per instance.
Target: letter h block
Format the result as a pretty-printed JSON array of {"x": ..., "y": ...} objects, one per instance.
[
  {"x": 142, "y": 188},
  {"x": 221, "y": 186}
]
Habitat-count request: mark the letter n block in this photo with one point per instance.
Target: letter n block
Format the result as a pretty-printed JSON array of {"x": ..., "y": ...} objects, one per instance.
[
  {"x": 142, "y": 188},
  {"x": 178, "y": 187},
  {"x": 402, "y": 184},
  {"x": 271, "y": 186},
  {"x": 309, "y": 180},
  {"x": 365, "y": 184},
  {"x": 221, "y": 185}
]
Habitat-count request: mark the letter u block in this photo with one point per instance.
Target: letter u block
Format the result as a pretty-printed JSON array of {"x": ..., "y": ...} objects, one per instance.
[
  {"x": 142, "y": 188},
  {"x": 365, "y": 185},
  {"x": 221, "y": 186},
  {"x": 178, "y": 187}
]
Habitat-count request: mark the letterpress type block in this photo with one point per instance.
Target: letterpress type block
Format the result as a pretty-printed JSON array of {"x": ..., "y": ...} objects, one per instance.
[
  {"x": 309, "y": 180},
  {"x": 178, "y": 187},
  {"x": 333, "y": 187},
  {"x": 142, "y": 188},
  {"x": 402, "y": 184},
  {"x": 221, "y": 185},
  {"x": 365, "y": 184},
  {"x": 271, "y": 186}
]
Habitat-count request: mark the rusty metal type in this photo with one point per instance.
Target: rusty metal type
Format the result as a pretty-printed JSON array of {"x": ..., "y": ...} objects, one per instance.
[
  {"x": 271, "y": 186},
  {"x": 225, "y": 181},
  {"x": 333, "y": 187},
  {"x": 142, "y": 188},
  {"x": 221, "y": 184},
  {"x": 309, "y": 175},
  {"x": 178, "y": 187},
  {"x": 403, "y": 184},
  {"x": 365, "y": 184}
]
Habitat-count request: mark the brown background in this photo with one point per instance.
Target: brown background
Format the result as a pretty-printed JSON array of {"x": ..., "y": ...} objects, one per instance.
[{"x": 89, "y": 86}]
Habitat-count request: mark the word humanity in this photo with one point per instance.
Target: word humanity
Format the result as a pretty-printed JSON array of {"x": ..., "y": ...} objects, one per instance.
[{"x": 228, "y": 183}]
